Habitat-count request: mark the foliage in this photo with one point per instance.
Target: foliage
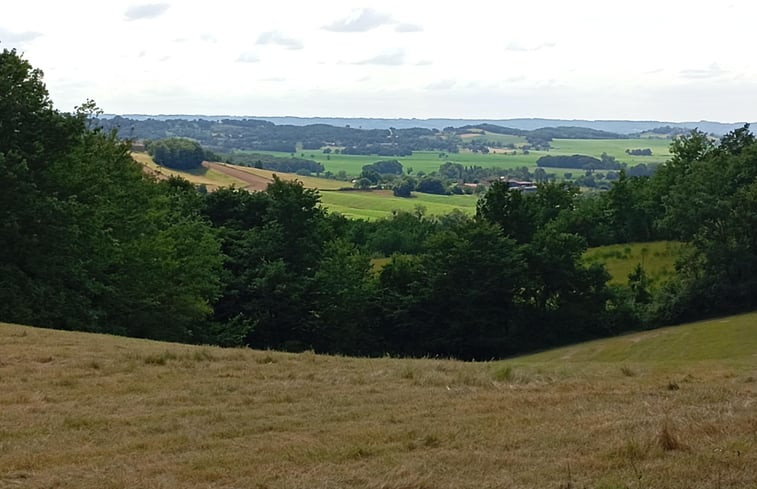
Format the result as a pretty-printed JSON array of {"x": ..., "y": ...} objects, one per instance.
[
  {"x": 383, "y": 167},
  {"x": 179, "y": 153},
  {"x": 639, "y": 152},
  {"x": 580, "y": 162},
  {"x": 86, "y": 233}
]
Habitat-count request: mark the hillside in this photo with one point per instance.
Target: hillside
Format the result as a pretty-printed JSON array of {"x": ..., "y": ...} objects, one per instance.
[
  {"x": 671, "y": 408},
  {"x": 621, "y": 126}
]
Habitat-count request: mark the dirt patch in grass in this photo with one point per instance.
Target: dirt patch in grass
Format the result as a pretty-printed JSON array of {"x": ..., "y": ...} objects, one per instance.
[{"x": 252, "y": 182}]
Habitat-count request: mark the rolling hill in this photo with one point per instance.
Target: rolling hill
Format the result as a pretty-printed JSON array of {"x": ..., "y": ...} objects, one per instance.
[{"x": 672, "y": 408}]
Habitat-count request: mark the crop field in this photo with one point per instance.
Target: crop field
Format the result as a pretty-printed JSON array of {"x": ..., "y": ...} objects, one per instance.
[
  {"x": 615, "y": 147},
  {"x": 216, "y": 175},
  {"x": 365, "y": 205},
  {"x": 420, "y": 161},
  {"x": 428, "y": 161},
  {"x": 267, "y": 175},
  {"x": 202, "y": 176},
  {"x": 671, "y": 408},
  {"x": 380, "y": 203},
  {"x": 657, "y": 258}
]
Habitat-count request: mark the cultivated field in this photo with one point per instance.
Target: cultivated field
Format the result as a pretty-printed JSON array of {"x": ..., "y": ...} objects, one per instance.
[
  {"x": 202, "y": 176},
  {"x": 380, "y": 203},
  {"x": 357, "y": 204},
  {"x": 672, "y": 408},
  {"x": 428, "y": 161},
  {"x": 216, "y": 174},
  {"x": 374, "y": 205}
]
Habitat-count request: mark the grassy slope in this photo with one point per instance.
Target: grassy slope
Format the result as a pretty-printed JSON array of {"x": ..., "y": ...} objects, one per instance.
[
  {"x": 376, "y": 204},
  {"x": 202, "y": 176},
  {"x": 672, "y": 408},
  {"x": 657, "y": 258}
]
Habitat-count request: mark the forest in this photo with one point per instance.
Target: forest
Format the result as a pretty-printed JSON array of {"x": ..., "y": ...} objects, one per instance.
[
  {"x": 88, "y": 241},
  {"x": 232, "y": 135}
]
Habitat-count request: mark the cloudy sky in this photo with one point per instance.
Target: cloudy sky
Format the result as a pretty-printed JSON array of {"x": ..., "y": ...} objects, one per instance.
[{"x": 665, "y": 59}]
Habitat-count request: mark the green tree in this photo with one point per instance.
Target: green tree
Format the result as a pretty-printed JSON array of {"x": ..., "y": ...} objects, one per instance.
[
  {"x": 404, "y": 187},
  {"x": 179, "y": 153},
  {"x": 86, "y": 233},
  {"x": 508, "y": 208}
]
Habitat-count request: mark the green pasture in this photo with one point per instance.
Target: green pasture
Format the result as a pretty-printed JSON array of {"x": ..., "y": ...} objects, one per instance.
[
  {"x": 380, "y": 203},
  {"x": 420, "y": 161},
  {"x": 429, "y": 161},
  {"x": 614, "y": 147},
  {"x": 729, "y": 339},
  {"x": 657, "y": 258}
]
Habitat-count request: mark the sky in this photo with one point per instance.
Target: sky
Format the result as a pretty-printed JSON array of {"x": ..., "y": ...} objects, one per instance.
[{"x": 664, "y": 60}]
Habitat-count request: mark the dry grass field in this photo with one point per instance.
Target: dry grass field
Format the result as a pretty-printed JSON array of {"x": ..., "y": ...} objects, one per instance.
[{"x": 91, "y": 411}]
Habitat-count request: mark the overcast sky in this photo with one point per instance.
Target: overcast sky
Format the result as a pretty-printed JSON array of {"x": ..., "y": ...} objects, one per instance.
[{"x": 581, "y": 59}]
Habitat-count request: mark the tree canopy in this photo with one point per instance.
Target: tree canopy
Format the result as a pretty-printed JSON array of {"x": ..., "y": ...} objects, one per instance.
[
  {"x": 89, "y": 241},
  {"x": 178, "y": 153}
]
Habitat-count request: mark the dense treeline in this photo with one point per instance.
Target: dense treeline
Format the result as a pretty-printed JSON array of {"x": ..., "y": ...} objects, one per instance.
[
  {"x": 230, "y": 135},
  {"x": 86, "y": 240},
  {"x": 276, "y": 163},
  {"x": 639, "y": 152},
  {"x": 90, "y": 242},
  {"x": 583, "y": 162},
  {"x": 544, "y": 133}
]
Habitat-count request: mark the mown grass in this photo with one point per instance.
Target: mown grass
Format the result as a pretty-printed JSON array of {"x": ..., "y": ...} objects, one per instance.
[
  {"x": 381, "y": 203},
  {"x": 727, "y": 341},
  {"x": 672, "y": 408},
  {"x": 657, "y": 258}
]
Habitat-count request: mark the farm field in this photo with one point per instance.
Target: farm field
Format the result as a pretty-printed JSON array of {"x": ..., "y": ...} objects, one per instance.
[
  {"x": 267, "y": 176},
  {"x": 380, "y": 203},
  {"x": 215, "y": 175},
  {"x": 671, "y": 408},
  {"x": 425, "y": 161},
  {"x": 202, "y": 176},
  {"x": 356, "y": 204},
  {"x": 657, "y": 258},
  {"x": 428, "y": 161},
  {"x": 615, "y": 147}
]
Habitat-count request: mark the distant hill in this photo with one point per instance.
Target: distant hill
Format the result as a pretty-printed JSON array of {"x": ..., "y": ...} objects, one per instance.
[{"x": 617, "y": 126}]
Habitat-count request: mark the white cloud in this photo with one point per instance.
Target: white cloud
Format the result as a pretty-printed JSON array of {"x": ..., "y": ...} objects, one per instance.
[
  {"x": 248, "y": 57},
  {"x": 514, "y": 46},
  {"x": 276, "y": 38},
  {"x": 146, "y": 11},
  {"x": 441, "y": 85},
  {"x": 393, "y": 58},
  {"x": 713, "y": 71},
  {"x": 407, "y": 27},
  {"x": 18, "y": 37},
  {"x": 361, "y": 20}
]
